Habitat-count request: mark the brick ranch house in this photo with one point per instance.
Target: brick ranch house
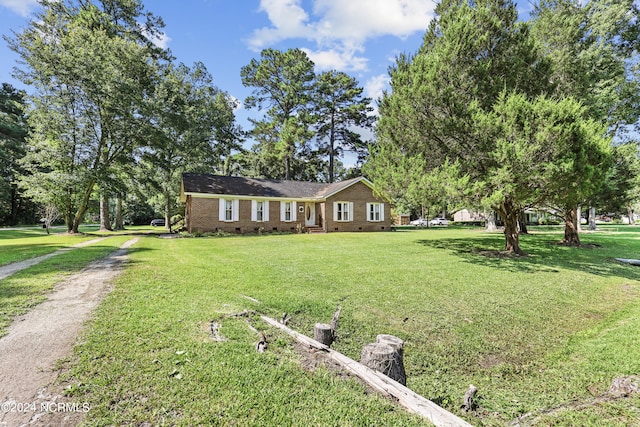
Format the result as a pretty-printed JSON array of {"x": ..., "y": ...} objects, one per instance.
[{"x": 247, "y": 205}]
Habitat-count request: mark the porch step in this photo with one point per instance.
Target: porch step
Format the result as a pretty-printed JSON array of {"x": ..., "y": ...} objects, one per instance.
[{"x": 314, "y": 229}]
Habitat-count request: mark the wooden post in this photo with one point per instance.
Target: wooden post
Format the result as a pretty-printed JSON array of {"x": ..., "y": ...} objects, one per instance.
[{"x": 323, "y": 333}]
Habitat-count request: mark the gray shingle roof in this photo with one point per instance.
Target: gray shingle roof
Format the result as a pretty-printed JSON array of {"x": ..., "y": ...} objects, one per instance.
[{"x": 240, "y": 186}]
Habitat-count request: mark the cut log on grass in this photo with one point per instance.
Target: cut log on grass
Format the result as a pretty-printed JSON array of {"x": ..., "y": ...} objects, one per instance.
[
  {"x": 323, "y": 333},
  {"x": 398, "y": 372},
  {"x": 385, "y": 359},
  {"x": 381, "y": 383}
]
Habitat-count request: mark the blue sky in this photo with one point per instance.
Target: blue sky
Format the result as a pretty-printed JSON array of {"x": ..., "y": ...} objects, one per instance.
[{"x": 359, "y": 37}]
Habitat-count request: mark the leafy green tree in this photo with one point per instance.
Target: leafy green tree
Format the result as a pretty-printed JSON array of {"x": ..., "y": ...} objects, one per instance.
[
  {"x": 590, "y": 47},
  {"x": 91, "y": 65},
  {"x": 542, "y": 148},
  {"x": 13, "y": 130},
  {"x": 472, "y": 55},
  {"x": 340, "y": 109},
  {"x": 191, "y": 128},
  {"x": 621, "y": 191},
  {"x": 283, "y": 83}
]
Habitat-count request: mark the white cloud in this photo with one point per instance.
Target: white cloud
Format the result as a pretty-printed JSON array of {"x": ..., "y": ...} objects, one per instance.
[
  {"x": 340, "y": 28},
  {"x": 362, "y": 19},
  {"x": 162, "y": 40},
  {"x": 337, "y": 59},
  {"x": 288, "y": 18},
  {"x": 21, "y": 7},
  {"x": 376, "y": 85}
]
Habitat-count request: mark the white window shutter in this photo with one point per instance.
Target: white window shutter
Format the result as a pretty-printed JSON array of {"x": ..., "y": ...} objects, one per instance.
[
  {"x": 254, "y": 210},
  {"x": 369, "y": 218},
  {"x": 351, "y": 213},
  {"x": 221, "y": 204},
  {"x": 265, "y": 211},
  {"x": 381, "y": 211},
  {"x": 335, "y": 211},
  {"x": 294, "y": 211},
  {"x": 236, "y": 210}
]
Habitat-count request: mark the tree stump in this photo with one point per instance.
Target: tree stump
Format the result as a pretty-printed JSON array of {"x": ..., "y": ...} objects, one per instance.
[
  {"x": 385, "y": 359},
  {"x": 398, "y": 345},
  {"x": 323, "y": 333}
]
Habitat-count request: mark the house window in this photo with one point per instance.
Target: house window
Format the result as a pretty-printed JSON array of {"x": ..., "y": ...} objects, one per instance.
[
  {"x": 229, "y": 210},
  {"x": 343, "y": 211},
  {"x": 259, "y": 210},
  {"x": 375, "y": 212},
  {"x": 287, "y": 211}
]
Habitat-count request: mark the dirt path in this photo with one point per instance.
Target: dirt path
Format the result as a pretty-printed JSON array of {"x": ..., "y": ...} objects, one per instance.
[
  {"x": 37, "y": 340},
  {"x": 10, "y": 269}
]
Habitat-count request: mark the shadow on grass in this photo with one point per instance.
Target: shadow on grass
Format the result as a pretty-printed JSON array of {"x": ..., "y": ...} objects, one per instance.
[{"x": 544, "y": 254}]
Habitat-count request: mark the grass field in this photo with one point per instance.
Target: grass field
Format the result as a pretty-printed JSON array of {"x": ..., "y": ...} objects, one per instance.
[
  {"x": 25, "y": 289},
  {"x": 545, "y": 332},
  {"x": 25, "y": 243}
]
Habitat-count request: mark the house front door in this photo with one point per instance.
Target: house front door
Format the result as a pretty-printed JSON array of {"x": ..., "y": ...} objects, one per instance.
[{"x": 309, "y": 214}]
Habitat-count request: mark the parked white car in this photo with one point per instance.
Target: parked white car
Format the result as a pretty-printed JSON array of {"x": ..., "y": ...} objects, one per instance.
[
  {"x": 439, "y": 221},
  {"x": 420, "y": 222}
]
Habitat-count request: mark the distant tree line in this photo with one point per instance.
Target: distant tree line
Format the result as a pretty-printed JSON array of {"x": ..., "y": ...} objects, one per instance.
[{"x": 503, "y": 115}]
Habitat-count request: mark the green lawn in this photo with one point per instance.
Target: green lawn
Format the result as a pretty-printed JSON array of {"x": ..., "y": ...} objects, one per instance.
[
  {"x": 29, "y": 242},
  {"x": 25, "y": 243},
  {"x": 27, "y": 288},
  {"x": 531, "y": 333}
]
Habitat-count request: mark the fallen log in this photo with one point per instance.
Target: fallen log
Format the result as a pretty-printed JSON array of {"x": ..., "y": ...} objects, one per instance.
[{"x": 380, "y": 382}]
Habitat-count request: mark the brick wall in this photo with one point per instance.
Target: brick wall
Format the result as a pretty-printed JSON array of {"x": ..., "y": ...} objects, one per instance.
[
  {"x": 205, "y": 218},
  {"x": 360, "y": 195},
  {"x": 203, "y": 215}
]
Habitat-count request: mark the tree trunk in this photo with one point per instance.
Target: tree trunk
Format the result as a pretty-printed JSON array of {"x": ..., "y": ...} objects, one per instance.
[
  {"x": 287, "y": 166},
  {"x": 522, "y": 223},
  {"x": 592, "y": 218},
  {"x": 332, "y": 143},
  {"x": 571, "y": 234},
  {"x": 167, "y": 211},
  {"x": 119, "y": 220},
  {"x": 68, "y": 220},
  {"x": 630, "y": 214},
  {"x": 579, "y": 219},
  {"x": 491, "y": 221},
  {"x": 82, "y": 209},
  {"x": 509, "y": 216},
  {"x": 14, "y": 205},
  {"x": 105, "y": 218}
]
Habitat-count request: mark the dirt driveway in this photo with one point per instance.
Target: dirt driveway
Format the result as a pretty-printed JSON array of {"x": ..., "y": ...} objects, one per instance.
[{"x": 38, "y": 339}]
